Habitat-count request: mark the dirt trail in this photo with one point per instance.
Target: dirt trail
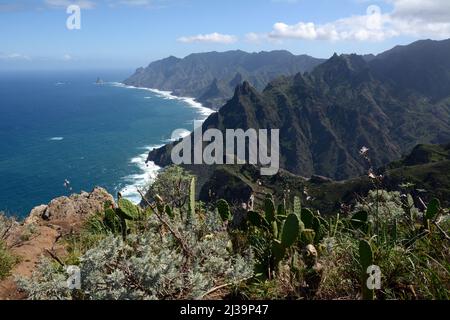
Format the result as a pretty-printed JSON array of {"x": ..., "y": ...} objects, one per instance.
[
  {"x": 29, "y": 254},
  {"x": 49, "y": 224}
]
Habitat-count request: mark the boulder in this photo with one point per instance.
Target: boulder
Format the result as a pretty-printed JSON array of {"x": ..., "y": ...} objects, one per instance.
[
  {"x": 73, "y": 210},
  {"x": 36, "y": 215}
]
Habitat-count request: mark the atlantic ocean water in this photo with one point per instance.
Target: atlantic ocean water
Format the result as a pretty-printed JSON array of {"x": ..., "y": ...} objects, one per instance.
[{"x": 58, "y": 127}]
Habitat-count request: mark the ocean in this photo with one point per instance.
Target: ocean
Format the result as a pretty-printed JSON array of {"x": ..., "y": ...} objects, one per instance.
[{"x": 61, "y": 133}]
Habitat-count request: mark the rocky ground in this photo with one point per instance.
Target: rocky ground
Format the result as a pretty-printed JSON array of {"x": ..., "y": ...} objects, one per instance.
[{"x": 41, "y": 232}]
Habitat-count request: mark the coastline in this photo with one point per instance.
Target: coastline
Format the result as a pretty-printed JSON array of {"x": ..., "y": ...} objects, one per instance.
[
  {"x": 149, "y": 171},
  {"x": 204, "y": 111}
]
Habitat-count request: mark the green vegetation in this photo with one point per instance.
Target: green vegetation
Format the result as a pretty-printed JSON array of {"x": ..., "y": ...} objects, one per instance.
[
  {"x": 7, "y": 260},
  {"x": 185, "y": 249},
  {"x": 384, "y": 229},
  {"x": 424, "y": 173},
  {"x": 166, "y": 252},
  {"x": 325, "y": 116}
]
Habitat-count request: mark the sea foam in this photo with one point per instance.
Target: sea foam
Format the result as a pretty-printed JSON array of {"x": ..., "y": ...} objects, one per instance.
[
  {"x": 182, "y": 134},
  {"x": 150, "y": 170},
  {"x": 140, "y": 181},
  {"x": 203, "y": 111}
]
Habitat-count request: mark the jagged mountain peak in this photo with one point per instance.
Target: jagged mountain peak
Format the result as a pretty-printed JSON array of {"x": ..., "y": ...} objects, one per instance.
[
  {"x": 244, "y": 89},
  {"x": 351, "y": 62},
  {"x": 238, "y": 79},
  {"x": 343, "y": 69}
]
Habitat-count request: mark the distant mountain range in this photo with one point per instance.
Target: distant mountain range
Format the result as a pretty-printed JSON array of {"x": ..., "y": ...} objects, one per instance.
[
  {"x": 212, "y": 77},
  {"x": 388, "y": 103}
]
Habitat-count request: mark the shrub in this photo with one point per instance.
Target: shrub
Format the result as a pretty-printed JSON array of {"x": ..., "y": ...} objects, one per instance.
[
  {"x": 7, "y": 260},
  {"x": 172, "y": 185},
  {"x": 6, "y": 226},
  {"x": 148, "y": 266},
  {"x": 414, "y": 256},
  {"x": 176, "y": 249},
  {"x": 414, "y": 261}
]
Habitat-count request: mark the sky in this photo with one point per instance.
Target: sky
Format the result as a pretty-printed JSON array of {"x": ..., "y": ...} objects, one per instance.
[{"x": 126, "y": 34}]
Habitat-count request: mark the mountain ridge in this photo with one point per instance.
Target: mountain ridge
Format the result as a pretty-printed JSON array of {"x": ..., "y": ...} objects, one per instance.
[
  {"x": 195, "y": 74},
  {"x": 327, "y": 115}
]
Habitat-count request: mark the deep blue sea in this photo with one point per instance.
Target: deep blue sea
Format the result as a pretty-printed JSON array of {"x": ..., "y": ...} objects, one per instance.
[{"x": 58, "y": 126}]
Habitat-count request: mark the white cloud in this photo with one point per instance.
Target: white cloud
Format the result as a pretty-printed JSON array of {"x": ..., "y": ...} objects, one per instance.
[
  {"x": 211, "y": 38},
  {"x": 286, "y": 1},
  {"x": 259, "y": 38},
  {"x": 427, "y": 10},
  {"x": 425, "y": 18},
  {"x": 419, "y": 18},
  {"x": 14, "y": 5},
  {"x": 135, "y": 3},
  {"x": 147, "y": 4},
  {"x": 83, "y": 4},
  {"x": 365, "y": 27},
  {"x": 14, "y": 56},
  {"x": 67, "y": 57},
  {"x": 254, "y": 37}
]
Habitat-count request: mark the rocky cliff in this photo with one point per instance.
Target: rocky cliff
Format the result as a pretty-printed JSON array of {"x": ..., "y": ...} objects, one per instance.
[{"x": 41, "y": 232}]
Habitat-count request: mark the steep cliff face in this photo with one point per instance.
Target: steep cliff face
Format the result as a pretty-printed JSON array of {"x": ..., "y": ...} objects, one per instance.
[{"x": 211, "y": 77}]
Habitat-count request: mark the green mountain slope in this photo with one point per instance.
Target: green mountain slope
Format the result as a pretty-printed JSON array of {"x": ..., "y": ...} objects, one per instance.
[
  {"x": 423, "y": 67},
  {"x": 425, "y": 177},
  {"x": 325, "y": 117}
]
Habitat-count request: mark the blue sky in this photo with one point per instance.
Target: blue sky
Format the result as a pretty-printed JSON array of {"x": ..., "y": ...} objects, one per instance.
[{"x": 132, "y": 33}]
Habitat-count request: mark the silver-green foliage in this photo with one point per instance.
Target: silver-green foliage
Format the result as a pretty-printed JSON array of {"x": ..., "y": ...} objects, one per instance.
[
  {"x": 173, "y": 185},
  {"x": 387, "y": 206},
  {"x": 7, "y": 260},
  {"x": 6, "y": 225},
  {"x": 149, "y": 265}
]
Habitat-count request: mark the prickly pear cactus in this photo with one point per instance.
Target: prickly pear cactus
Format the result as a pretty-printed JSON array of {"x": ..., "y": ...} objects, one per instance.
[
  {"x": 112, "y": 221},
  {"x": 366, "y": 260},
  {"x": 432, "y": 209},
  {"x": 127, "y": 210},
  {"x": 290, "y": 231},
  {"x": 224, "y": 210},
  {"x": 275, "y": 229},
  {"x": 307, "y": 236},
  {"x": 281, "y": 211},
  {"x": 168, "y": 210},
  {"x": 307, "y": 217},
  {"x": 320, "y": 227},
  {"x": 278, "y": 251},
  {"x": 255, "y": 219},
  {"x": 269, "y": 208},
  {"x": 191, "y": 216},
  {"x": 359, "y": 221},
  {"x": 298, "y": 207}
]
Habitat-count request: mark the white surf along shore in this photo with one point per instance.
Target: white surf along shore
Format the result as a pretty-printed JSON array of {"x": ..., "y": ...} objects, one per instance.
[{"x": 149, "y": 171}]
